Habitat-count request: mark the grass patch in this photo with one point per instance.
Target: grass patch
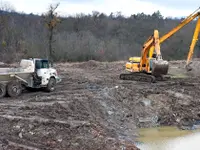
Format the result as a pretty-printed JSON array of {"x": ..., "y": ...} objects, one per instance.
[{"x": 178, "y": 76}]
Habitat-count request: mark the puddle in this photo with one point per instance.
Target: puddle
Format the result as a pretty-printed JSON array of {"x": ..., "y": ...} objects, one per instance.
[{"x": 168, "y": 138}]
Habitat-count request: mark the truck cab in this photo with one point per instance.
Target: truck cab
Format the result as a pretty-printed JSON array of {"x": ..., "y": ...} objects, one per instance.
[{"x": 44, "y": 75}]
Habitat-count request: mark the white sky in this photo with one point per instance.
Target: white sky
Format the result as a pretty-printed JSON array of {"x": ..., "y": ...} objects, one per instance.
[{"x": 126, "y": 7}]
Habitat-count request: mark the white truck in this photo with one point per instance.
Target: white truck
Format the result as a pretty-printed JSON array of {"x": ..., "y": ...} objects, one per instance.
[{"x": 32, "y": 73}]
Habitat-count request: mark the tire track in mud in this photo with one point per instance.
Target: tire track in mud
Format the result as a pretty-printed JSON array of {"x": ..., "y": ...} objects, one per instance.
[
  {"x": 71, "y": 123},
  {"x": 90, "y": 106},
  {"x": 70, "y": 103},
  {"x": 14, "y": 144},
  {"x": 38, "y": 101}
]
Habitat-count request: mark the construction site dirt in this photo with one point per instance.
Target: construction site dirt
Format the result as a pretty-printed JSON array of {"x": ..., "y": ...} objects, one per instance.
[{"x": 93, "y": 109}]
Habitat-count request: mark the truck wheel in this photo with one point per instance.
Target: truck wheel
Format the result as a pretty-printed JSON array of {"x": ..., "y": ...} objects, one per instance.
[
  {"x": 14, "y": 89},
  {"x": 51, "y": 85},
  {"x": 2, "y": 90}
]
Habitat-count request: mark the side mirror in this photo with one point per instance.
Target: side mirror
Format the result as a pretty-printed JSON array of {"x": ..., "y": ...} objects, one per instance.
[{"x": 50, "y": 65}]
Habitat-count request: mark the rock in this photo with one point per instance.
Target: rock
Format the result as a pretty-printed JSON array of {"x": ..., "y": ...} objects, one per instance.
[
  {"x": 146, "y": 102},
  {"x": 20, "y": 135},
  {"x": 110, "y": 112},
  {"x": 31, "y": 126},
  {"x": 153, "y": 119}
]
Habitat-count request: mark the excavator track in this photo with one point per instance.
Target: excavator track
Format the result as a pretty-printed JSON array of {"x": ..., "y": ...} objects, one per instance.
[{"x": 142, "y": 77}]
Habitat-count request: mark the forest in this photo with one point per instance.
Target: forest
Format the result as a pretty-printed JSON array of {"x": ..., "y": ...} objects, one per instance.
[{"x": 84, "y": 37}]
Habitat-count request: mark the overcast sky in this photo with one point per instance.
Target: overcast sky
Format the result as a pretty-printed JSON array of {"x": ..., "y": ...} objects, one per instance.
[{"x": 174, "y": 8}]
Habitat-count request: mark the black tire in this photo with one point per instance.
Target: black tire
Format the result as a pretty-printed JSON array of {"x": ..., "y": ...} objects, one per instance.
[
  {"x": 14, "y": 88},
  {"x": 51, "y": 85},
  {"x": 2, "y": 90}
]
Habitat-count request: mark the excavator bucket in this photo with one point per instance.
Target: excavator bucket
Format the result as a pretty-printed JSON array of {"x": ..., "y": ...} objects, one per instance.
[
  {"x": 188, "y": 67},
  {"x": 160, "y": 67}
]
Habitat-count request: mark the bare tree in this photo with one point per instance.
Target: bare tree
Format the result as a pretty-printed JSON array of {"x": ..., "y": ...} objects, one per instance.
[
  {"x": 6, "y": 6},
  {"x": 51, "y": 21}
]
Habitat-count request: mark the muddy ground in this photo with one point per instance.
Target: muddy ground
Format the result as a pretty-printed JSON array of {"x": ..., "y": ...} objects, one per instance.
[{"x": 93, "y": 110}]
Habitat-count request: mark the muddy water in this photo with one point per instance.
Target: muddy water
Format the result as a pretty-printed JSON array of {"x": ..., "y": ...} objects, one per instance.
[{"x": 168, "y": 138}]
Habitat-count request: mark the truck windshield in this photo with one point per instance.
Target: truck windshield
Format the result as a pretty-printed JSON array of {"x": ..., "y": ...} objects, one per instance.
[{"x": 39, "y": 64}]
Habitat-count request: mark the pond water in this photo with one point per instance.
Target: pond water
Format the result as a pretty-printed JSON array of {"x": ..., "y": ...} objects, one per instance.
[{"x": 168, "y": 138}]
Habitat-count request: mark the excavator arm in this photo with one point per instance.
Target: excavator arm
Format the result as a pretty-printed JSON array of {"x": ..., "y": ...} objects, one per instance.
[
  {"x": 154, "y": 42},
  {"x": 193, "y": 43},
  {"x": 181, "y": 25},
  {"x": 187, "y": 20}
]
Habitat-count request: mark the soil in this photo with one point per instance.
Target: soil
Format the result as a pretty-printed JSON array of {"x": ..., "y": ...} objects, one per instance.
[{"x": 92, "y": 109}]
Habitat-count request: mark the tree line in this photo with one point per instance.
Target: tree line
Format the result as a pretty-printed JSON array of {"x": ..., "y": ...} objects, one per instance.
[{"x": 84, "y": 37}]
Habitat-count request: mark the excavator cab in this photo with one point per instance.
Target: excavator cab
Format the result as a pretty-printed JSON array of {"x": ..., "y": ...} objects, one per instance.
[{"x": 133, "y": 64}]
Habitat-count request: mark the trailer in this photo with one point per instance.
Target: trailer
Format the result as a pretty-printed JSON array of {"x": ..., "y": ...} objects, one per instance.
[{"x": 33, "y": 73}]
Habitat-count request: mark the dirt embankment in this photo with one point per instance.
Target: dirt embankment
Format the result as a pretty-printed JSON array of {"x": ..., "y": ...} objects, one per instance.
[{"x": 93, "y": 109}]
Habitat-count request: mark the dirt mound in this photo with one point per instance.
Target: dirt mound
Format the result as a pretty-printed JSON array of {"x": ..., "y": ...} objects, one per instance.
[
  {"x": 89, "y": 64},
  {"x": 195, "y": 65}
]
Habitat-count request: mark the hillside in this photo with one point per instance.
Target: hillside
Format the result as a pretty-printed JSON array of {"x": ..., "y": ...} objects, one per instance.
[{"x": 85, "y": 37}]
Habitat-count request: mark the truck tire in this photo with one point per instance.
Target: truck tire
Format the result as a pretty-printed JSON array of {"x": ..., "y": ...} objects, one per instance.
[
  {"x": 2, "y": 90},
  {"x": 51, "y": 85},
  {"x": 14, "y": 88}
]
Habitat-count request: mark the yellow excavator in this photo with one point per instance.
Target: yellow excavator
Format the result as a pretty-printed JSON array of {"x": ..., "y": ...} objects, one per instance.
[{"x": 150, "y": 66}]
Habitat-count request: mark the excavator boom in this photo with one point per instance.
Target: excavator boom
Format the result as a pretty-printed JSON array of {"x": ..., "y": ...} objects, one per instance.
[
  {"x": 181, "y": 25},
  {"x": 159, "y": 66},
  {"x": 193, "y": 43},
  {"x": 187, "y": 20}
]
